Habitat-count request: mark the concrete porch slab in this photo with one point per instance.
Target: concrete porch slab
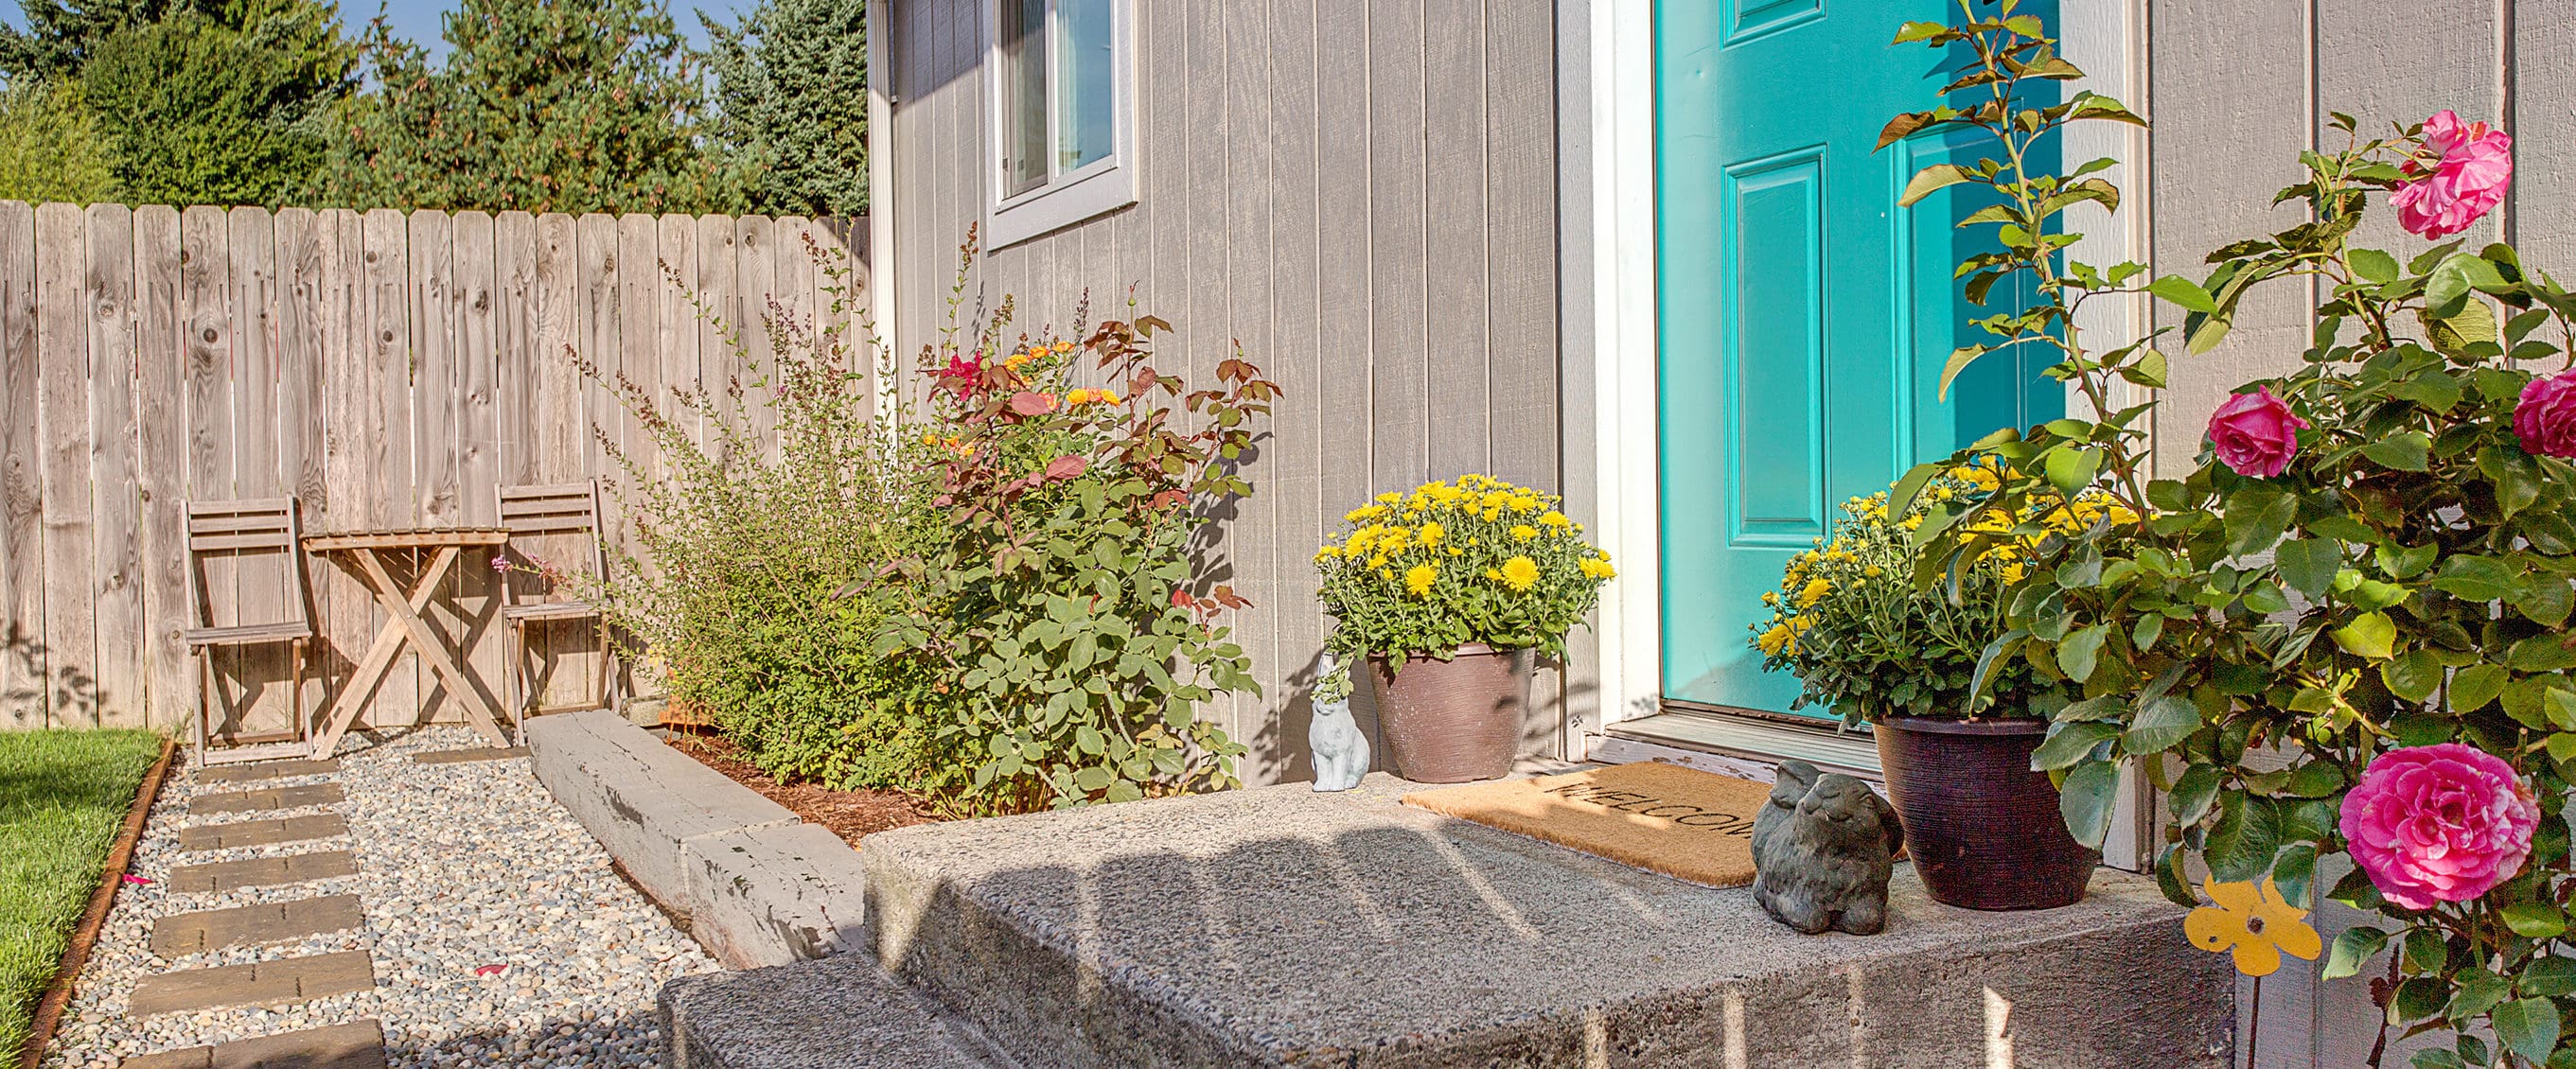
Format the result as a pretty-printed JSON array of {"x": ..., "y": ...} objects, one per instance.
[{"x": 1277, "y": 926}]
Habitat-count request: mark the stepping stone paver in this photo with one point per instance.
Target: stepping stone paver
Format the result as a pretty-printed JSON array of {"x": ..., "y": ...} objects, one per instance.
[
  {"x": 267, "y": 799},
  {"x": 263, "y": 832},
  {"x": 479, "y": 753},
  {"x": 267, "y": 922},
  {"x": 262, "y": 871},
  {"x": 263, "y": 770},
  {"x": 276, "y": 982},
  {"x": 356, "y": 1045}
]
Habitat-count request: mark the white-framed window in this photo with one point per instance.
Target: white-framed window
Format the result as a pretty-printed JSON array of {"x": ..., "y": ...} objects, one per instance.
[{"x": 1060, "y": 81}]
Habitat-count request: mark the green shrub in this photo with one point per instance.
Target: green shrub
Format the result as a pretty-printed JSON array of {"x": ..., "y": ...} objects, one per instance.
[
  {"x": 738, "y": 550},
  {"x": 51, "y": 147}
]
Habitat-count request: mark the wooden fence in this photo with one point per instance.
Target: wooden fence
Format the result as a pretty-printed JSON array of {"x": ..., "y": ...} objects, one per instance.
[{"x": 389, "y": 369}]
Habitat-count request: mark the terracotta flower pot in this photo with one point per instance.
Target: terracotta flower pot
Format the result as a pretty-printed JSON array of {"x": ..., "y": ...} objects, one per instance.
[
  {"x": 1982, "y": 828},
  {"x": 1456, "y": 720}
]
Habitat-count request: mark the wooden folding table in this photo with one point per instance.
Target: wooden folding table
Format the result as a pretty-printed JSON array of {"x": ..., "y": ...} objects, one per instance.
[{"x": 364, "y": 554}]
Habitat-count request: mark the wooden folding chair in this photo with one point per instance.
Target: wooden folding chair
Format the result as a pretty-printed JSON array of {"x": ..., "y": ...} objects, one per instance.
[
  {"x": 563, "y": 513},
  {"x": 239, "y": 531}
]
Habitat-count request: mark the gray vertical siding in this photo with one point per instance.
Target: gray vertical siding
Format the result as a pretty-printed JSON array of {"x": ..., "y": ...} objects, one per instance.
[{"x": 1361, "y": 194}]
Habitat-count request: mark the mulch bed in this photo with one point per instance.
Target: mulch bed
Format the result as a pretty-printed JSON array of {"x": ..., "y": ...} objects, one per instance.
[{"x": 849, "y": 814}]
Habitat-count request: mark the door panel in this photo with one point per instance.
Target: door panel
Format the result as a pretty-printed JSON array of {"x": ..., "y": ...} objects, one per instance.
[{"x": 1805, "y": 317}]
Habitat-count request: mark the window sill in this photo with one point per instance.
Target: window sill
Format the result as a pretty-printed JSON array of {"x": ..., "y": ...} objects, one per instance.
[{"x": 1065, "y": 204}]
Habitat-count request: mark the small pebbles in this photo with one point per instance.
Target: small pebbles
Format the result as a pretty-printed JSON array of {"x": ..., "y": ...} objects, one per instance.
[{"x": 461, "y": 868}]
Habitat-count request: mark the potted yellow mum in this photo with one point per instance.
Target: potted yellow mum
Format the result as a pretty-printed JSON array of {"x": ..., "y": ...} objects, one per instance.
[{"x": 1448, "y": 593}]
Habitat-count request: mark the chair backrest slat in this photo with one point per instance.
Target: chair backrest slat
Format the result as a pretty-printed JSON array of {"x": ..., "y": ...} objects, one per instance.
[
  {"x": 566, "y": 515},
  {"x": 247, "y": 534}
]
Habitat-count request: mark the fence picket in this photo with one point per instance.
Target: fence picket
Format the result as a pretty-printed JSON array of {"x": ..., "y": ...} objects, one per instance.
[{"x": 388, "y": 369}]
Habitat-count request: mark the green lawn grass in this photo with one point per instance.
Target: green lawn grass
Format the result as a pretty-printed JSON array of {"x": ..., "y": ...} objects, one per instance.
[{"x": 63, "y": 797}]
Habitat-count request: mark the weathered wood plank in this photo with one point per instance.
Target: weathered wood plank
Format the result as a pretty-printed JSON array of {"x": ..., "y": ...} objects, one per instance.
[
  {"x": 595, "y": 239},
  {"x": 794, "y": 280},
  {"x": 438, "y": 481},
  {"x": 392, "y": 502},
  {"x": 302, "y": 343},
  {"x": 116, "y": 549},
  {"x": 756, "y": 283},
  {"x": 639, "y": 296},
  {"x": 347, "y": 625},
  {"x": 675, "y": 278},
  {"x": 161, "y": 473},
  {"x": 263, "y": 589},
  {"x": 474, "y": 598},
  {"x": 62, "y": 342},
  {"x": 515, "y": 350},
  {"x": 563, "y": 431},
  {"x": 719, "y": 330},
  {"x": 23, "y": 689},
  {"x": 206, "y": 306}
]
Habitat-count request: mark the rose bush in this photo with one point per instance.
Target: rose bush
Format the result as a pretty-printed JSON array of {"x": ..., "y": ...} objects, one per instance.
[{"x": 2343, "y": 630}]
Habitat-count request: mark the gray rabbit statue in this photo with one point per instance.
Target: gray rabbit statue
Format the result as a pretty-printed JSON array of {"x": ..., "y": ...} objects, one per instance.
[
  {"x": 1341, "y": 749},
  {"x": 1823, "y": 849}
]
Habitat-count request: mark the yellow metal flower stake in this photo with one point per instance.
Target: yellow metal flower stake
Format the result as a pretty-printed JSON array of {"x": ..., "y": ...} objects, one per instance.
[{"x": 2258, "y": 926}]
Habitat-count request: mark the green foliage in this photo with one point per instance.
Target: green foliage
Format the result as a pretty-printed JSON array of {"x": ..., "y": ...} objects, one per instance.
[
  {"x": 2258, "y": 641},
  {"x": 792, "y": 105},
  {"x": 541, "y": 106},
  {"x": 228, "y": 107},
  {"x": 63, "y": 797},
  {"x": 51, "y": 147},
  {"x": 1060, "y": 609},
  {"x": 741, "y": 551},
  {"x": 1446, "y": 565},
  {"x": 1866, "y": 643},
  {"x": 60, "y": 36}
]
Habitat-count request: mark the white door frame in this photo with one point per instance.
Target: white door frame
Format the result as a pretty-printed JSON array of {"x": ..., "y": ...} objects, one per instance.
[{"x": 2105, "y": 37}]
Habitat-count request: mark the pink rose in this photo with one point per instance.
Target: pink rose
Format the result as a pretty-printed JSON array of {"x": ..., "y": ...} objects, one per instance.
[
  {"x": 2255, "y": 433},
  {"x": 2467, "y": 180},
  {"x": 2444, "y": 823},
  {"x": 2545, "y": 418}
]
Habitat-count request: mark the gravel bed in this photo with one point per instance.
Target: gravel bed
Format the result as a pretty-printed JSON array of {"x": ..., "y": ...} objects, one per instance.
[{"x": 499, "y": 934}]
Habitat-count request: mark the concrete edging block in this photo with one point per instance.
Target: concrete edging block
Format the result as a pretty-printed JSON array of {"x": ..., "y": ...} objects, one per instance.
[{"x": 759, "y": 886}]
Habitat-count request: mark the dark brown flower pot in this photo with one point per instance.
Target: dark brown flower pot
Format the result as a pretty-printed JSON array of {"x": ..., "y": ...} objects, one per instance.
[
  {"x": 1982, "y": 828},
  {"x": 1456, "y": 720}
]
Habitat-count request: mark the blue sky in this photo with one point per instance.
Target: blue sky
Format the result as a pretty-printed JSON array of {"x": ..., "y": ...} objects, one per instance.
[{"x": 418, "y": 19}]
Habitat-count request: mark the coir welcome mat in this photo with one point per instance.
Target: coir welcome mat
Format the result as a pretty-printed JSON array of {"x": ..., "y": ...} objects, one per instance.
[{"x": 1681, "y": 822}]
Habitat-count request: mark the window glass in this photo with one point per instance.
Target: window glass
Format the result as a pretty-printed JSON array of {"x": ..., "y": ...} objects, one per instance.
[
  {"x": 1086, "y": 111},
  {"x": 1024, "y": 88}
]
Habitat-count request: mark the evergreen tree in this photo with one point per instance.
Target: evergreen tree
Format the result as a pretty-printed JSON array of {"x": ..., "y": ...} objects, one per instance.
[
  {"x": 542, "y": 105},
  {"x": 60, "y": 35},
  {"x": 51, "y": 147},
  {"x": 792, "y": 90},
  {"x": 223, "y": 108}
]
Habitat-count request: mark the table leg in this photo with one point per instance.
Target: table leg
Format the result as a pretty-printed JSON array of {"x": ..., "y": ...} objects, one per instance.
[
  {"x": 425, "y": 641},
  {"x": 369, "y": 674}
]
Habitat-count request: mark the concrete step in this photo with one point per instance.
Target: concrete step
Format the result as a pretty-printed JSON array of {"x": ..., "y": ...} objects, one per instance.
[
  {"x": 833, "y": 1013},
  {"x": 1277, "y": 926}
]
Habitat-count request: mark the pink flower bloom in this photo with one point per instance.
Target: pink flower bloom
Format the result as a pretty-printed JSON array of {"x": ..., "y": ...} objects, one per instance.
[
  {"x": 2255, "y": 433},
  {"x": 2438, "y": 823},
  {"x": 2545, "y": 418},
  {"x": 2467, "y": 181}
]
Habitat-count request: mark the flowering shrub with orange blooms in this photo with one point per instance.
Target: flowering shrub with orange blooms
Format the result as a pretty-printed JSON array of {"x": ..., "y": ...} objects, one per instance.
[
  {"x": 1059, "y": 610},
  {"x": 1866, "y": 642},
  {"x": 1479, "y": 560}
]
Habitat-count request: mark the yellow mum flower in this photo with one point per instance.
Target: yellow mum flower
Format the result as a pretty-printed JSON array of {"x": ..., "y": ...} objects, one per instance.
[
  {"x": 1524, "y": 532},
  {"x": 1396, "y": 539},
  {"x": 1873, "y": 571},
  {"x": 1520, "y": 573},
  {"x": 1390, "y": 497},
  {"x": 1430, "y": 534},
  {"x": 1386, "y": 575},
  {"x": 1555, "y": 519},
  {"x": 1327, "y": 553},
  {"x": 1815, "y": 591},
  {"x": 1419, "y": 578},
  {"x": 1494, "y": 574},
  {"x": 1457, "y": 552},
  {"x": 1364, "y": 513},
  {"x": 1778, "y": 640},
  {"x": 1378, "y": 561}
]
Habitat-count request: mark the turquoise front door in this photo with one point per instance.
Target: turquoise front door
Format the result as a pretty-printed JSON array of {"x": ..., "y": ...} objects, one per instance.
[{"x": 1805, "y": 317}]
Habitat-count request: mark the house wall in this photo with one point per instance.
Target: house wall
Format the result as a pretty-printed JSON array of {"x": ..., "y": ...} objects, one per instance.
[{"x": 1363, "y": 195}]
